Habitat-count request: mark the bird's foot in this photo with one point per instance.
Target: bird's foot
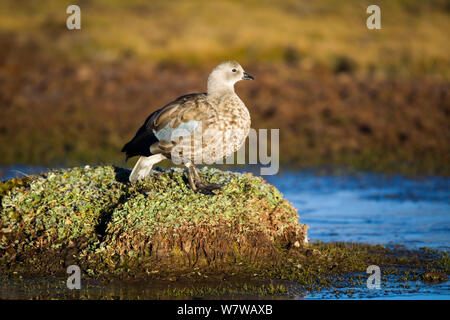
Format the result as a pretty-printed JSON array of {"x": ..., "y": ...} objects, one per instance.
[
  {"x": 197, "y": 184},
  {"x": 207, "y": 188}
]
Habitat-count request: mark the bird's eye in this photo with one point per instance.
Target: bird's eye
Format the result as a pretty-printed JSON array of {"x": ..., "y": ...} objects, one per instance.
[{"x": 234, "y": 70}]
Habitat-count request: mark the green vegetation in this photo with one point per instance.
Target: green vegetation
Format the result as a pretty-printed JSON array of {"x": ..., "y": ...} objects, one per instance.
[
  {"x": 341, "y": 95},
  {"x": 94, "y": 217},
  {"x": 243, "y": 241}
]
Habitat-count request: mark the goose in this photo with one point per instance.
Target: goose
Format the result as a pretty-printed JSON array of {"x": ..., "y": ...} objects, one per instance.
[{"x": 197, "y": 128}]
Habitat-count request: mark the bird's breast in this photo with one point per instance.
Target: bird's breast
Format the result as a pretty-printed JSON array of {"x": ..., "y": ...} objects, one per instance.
[
  {"x": 232, "y": 125},
  {"x": 219, "y": 135},
  {"x": 232, "y": 114}
]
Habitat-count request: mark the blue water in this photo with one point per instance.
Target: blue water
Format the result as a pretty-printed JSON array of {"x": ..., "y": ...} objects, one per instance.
[
  {"x": 376, "y": 209},
  {"x": 9, "y": 172},
  {"x": 365, "y": 208},
  {"x": 371, "y": 208}
]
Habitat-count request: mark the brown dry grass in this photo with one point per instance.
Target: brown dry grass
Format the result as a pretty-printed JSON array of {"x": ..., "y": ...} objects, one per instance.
[
  {"x": 413, "y": 39},
  {"x": 55, "y": 112}
]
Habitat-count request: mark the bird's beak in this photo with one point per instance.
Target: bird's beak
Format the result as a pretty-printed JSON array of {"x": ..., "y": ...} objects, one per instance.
[{"x": 247, "y": 77}]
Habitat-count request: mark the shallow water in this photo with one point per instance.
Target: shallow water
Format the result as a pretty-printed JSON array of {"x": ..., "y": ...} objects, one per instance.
[
  {"x": 376, "y": 209},
  {"x": 363, "y": 207},
  {"x": 371, "y": 208}
]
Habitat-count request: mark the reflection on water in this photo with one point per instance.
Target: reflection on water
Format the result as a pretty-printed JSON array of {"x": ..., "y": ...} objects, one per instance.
[{"x": 43, "y": 288}]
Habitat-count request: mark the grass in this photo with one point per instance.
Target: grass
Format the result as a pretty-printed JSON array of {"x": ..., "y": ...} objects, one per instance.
[{"x": 412, "y": 40}]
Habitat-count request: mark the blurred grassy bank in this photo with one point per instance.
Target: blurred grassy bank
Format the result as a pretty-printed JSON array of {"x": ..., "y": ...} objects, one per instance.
[
  {"x": 341, "y": 94},
  {"x": 325, "y": 33}
]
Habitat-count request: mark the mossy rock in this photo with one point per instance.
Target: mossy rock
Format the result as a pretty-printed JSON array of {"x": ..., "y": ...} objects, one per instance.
[{"x": 94, "y": 218}]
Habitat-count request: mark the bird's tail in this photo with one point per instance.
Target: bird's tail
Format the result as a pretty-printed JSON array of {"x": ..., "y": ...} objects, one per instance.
[{"x": 143, "y": 167}]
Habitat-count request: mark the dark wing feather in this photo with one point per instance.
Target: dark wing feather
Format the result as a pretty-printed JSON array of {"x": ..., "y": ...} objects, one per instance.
[{"x": 140, "y": 144}]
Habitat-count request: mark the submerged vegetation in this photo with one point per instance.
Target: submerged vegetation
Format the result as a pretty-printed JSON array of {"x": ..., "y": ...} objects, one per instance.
[{"x": 244, "y": 240}]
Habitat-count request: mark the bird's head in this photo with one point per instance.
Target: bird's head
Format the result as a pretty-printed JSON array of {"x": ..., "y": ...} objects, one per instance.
[{"x": 225, "y": 75}]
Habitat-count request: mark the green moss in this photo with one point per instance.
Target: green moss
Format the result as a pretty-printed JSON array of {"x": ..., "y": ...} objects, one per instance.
[
  {"x": 94, "y": 217},
  {"x": 10, "y": 184},
  {"x": 59, "y": 206}
]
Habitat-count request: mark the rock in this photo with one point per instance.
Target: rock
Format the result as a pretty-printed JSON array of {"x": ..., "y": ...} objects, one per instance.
[{"x": 94, "y": 218}]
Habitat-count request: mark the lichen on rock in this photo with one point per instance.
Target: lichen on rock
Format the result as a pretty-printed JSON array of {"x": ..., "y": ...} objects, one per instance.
[{"x": 91, "y": 216}]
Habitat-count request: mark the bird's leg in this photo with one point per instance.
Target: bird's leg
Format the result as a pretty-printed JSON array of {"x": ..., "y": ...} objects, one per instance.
[
  {"x": 191, "y": 174},
  {"x": 196, "y": 175}
]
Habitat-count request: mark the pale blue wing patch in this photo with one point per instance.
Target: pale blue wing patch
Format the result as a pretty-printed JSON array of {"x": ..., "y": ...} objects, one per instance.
[{"x": 168, "y": 133}]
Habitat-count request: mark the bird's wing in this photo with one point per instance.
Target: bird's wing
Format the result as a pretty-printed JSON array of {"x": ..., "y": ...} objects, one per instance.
[{"x": 180, "y": 118}]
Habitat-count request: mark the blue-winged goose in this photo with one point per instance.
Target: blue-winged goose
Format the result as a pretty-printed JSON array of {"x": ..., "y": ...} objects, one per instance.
[{"x": 198, "y": 128}]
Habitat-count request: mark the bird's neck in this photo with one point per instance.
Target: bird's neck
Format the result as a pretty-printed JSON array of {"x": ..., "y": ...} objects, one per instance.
[{"x": 218, "y": 89}]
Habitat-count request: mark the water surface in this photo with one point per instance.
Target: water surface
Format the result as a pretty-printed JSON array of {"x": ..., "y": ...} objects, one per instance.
[{"x": 371, "y": 208}]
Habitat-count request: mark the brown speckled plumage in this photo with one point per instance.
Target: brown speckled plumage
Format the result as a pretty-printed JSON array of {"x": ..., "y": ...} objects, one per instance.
[{"x": 195, "y": 128}]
